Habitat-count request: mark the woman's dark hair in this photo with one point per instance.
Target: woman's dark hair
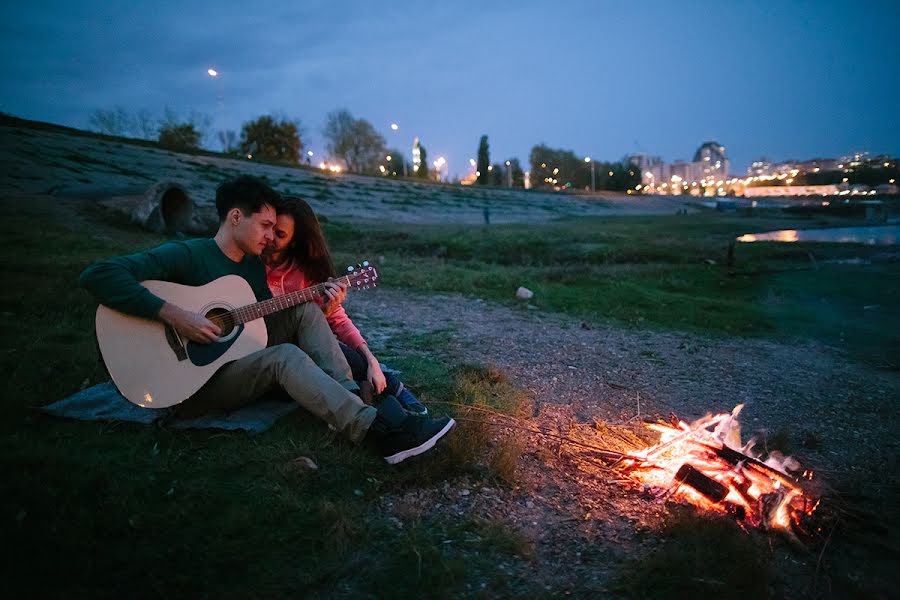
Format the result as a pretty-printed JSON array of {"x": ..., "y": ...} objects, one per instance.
[{"x": 308, "y": 247}]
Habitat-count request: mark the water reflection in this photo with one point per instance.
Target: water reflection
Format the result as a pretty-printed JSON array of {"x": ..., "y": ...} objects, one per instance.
[{"x": 885, "y": 235}]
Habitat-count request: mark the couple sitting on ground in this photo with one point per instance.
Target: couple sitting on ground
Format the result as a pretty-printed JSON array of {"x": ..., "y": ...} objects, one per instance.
[
  {"x": 303, "y": 358},
  {"x": 299, "y": 258}
]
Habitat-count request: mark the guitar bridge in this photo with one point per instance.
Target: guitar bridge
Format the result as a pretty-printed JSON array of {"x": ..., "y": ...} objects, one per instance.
[{"x": 175, "y": 343}]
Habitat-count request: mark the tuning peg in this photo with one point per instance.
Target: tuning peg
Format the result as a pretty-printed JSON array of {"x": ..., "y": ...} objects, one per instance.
[
  {"x": 365, "y": 263},
  {"x": 350, "y": 269}
]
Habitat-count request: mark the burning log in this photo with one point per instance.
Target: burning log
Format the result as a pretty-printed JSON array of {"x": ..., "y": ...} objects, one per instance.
[
  {"x": 720, "y": 477},
  {"x": 734, "y": 457},
  {"x": 713, "y": 490}
]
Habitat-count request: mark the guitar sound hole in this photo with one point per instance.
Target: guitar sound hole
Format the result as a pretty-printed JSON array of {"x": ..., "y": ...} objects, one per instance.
[{"x": 220, "y": 318}]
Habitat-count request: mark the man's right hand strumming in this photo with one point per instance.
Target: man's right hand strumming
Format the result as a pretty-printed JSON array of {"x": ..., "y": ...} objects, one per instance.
[{"x": 190, "y": 325}]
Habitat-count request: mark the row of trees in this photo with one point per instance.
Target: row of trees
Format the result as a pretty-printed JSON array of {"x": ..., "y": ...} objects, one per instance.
[
  {"x": 361, "y": 148},
  {"x": 351, "y": 140},
  {"x": 553, "y": 168},
  {"x": 508, "y": 174},
  {"x": 171, "y": 129},
  {"x": 270, "y": 136},
  {"x": 556, "y": 167}
]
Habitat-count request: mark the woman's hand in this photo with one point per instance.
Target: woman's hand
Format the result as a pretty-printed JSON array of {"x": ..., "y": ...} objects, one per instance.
[
  {"x": 335, "y": 292},
  {"x": 373, "y": 373},
  {"x": 376, "y": 376}
]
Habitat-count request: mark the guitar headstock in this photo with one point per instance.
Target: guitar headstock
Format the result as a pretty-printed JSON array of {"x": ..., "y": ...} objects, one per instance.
[{"x": 362, "y": 276}]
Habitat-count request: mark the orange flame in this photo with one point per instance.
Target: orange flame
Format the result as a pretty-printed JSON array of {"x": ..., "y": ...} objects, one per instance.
[{"x": 764, "y": 492}]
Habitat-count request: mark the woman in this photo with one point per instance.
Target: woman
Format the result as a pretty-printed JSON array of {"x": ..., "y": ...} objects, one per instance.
[{"x": 299, "y": 258}]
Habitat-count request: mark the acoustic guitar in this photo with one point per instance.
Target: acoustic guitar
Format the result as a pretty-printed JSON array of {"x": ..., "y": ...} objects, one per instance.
[{"x": 152, "y": 366}]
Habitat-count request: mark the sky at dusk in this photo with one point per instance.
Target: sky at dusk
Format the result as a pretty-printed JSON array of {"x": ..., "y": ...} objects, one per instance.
[{"x": 769, "y": 78}]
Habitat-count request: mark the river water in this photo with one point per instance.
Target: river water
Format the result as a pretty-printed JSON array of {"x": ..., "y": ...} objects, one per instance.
[{"x": 881, "y": 235}]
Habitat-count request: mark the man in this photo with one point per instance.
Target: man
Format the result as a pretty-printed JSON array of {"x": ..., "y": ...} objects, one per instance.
[{"x": 302, "y": 356}]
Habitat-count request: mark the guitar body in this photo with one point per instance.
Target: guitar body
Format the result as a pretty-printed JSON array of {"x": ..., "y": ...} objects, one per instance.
[{"x": 152, "y": 366}]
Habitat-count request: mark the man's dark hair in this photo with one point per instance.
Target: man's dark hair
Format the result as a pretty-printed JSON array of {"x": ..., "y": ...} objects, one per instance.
[{"x": 246, "y": 193}]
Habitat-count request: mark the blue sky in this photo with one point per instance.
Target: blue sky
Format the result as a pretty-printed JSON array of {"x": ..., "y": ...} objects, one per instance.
[{"x": 775, "y": 78}]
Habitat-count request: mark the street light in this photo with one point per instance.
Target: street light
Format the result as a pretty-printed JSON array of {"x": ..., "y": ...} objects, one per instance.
[
  {"x": 395, "y": 127},
  {"x": 508, "y": 175},
  {"x": 588, "y": 159},
  {"x": 221, "y": 102},
  {"x": 441, "y": 162}
]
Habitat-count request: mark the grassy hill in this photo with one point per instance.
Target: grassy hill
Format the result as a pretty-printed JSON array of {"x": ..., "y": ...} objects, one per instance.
[{"x": 48, "y": 159}]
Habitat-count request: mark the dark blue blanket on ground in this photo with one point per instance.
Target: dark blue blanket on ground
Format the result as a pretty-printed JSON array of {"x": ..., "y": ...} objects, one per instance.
[{"x": 103, "y": 402}]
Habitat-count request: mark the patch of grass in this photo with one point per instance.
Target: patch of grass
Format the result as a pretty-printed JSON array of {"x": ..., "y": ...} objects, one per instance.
[
  {"x": 447, "y": 561},
  {"x": 472, "y": 394},
  {"x": 667, "y": 272},
  {"x": 478, "y": 395},
  {"x": 700, "y": 557}
]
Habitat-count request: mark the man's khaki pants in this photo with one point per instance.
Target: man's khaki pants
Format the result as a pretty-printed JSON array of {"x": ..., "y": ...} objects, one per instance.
[{"x": 303, "y": 359}]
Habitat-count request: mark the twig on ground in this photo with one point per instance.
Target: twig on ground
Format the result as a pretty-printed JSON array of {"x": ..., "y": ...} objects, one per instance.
[{"x": 605, "y": 452}]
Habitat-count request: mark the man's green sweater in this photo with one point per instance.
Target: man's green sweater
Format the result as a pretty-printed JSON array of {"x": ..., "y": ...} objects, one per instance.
[{"x": 115, "y": 282}]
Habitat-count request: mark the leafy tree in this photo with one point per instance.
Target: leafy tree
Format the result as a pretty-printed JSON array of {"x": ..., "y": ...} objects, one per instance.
[
  {"x": 272, "y": 138},
  {"x": 551, "y": 167},
  {"x": 355, "y": 141},
  {"x": 484, "y": 161},
  {"x": 394, "y": 166},
  {"x": 518, "y": 176},
  {"x": 201, "y": 122},
  {"x": 624, "y": 177},
  {"x": 181, "y": 136},
  {"x": 497, "y": 175}
]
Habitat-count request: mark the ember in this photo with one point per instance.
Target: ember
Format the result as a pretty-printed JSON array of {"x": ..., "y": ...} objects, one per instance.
[{"x": 705, "y": 464}]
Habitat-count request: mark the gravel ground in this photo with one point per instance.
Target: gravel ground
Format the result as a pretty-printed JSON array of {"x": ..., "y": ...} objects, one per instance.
[{"x": 581, "y": 520}]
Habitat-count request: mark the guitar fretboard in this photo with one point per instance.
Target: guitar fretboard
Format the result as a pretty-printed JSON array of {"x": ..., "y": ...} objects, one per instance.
[
  {"x": 251, "y": 312},
  {"x": 363, "y": 278}
]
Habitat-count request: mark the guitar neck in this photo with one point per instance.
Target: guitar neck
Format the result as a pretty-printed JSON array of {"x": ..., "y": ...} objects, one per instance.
[{"x": 251, "y": 312}]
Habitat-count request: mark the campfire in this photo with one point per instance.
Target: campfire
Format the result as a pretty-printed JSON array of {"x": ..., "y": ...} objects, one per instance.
[{"x": 704, "y": 463}]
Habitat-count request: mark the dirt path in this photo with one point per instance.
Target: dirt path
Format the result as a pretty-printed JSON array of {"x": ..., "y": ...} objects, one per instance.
[{"x": 600, "y": 372}]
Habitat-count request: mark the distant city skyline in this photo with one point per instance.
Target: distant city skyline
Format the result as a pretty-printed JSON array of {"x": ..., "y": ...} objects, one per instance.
[{"x": 784, "y": 80}]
